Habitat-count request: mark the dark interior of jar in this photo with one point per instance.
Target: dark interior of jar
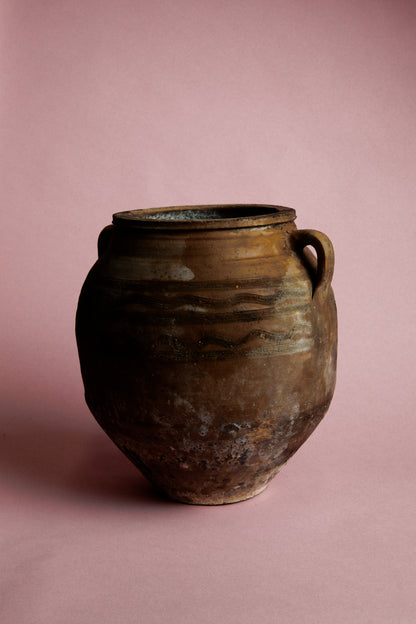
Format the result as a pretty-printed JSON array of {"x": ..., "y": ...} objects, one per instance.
[{"x": 216, "y": 212}]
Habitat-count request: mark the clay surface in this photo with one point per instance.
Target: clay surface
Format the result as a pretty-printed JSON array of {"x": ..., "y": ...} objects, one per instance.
[{"x": 207, "y": 339}]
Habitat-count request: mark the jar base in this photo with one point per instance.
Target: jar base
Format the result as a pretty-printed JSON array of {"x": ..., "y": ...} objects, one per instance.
[{"x": 219, "y": 498}]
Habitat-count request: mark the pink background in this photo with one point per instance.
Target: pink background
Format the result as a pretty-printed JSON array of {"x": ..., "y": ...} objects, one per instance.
[{"x": 118, "y": 104}]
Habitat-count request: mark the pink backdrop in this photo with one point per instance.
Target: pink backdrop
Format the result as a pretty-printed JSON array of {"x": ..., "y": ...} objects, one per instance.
[{"x": 118, "y": 104}]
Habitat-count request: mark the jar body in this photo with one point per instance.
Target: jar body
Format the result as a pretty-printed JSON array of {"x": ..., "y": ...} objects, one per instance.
[{"x": 206, "y": 355}]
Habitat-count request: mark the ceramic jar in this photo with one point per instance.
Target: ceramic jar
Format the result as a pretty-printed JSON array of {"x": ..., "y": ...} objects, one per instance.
[{"x": 207, "y": 338}]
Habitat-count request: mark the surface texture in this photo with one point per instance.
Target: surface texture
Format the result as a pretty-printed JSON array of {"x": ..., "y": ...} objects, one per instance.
[
  {"x": 208, "y": 347},
  {"x": 110, "y": 106}
]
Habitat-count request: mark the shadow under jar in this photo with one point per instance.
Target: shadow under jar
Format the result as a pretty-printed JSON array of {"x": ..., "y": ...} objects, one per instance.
[{"x": 207, "y": 338}]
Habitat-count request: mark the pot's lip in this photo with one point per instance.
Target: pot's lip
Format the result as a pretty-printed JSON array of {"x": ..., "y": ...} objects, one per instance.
[{"x": 205, "y": 217}]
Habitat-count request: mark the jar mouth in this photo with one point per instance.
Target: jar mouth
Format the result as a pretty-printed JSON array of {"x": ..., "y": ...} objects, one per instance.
[{"x": 212, "y": 216}]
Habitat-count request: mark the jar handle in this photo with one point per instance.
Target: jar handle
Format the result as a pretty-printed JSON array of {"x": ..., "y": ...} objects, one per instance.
[
  {"x": 325, "y": 255},
  {"x": 104, "y": 239}
]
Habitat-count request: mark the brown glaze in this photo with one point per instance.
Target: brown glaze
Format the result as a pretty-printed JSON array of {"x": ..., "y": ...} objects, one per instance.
[{"x": 207, "y": 339}]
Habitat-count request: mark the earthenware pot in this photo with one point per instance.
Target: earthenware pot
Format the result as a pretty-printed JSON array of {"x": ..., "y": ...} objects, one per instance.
[{"x": 207, "y": 337}]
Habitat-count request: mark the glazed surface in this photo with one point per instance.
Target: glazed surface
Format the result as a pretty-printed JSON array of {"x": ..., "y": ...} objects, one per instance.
[{"x": 206, "y": 354}]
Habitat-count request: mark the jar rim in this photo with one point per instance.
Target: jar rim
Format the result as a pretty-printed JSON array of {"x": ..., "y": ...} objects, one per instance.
[{"x": 203, "y": 217}]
